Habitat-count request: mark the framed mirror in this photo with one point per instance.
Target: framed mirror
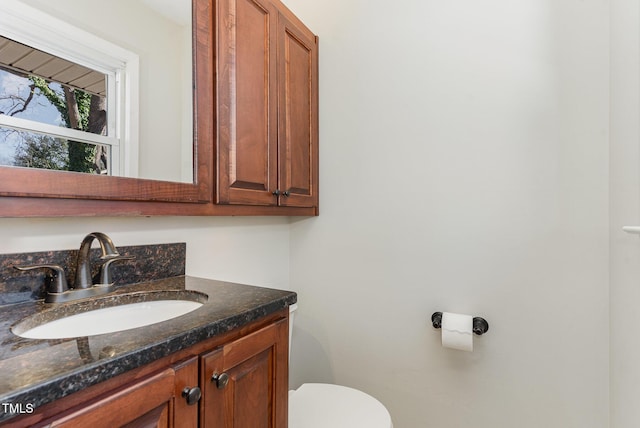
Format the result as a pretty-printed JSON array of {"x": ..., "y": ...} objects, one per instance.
[{"x": 135, "y": 148}]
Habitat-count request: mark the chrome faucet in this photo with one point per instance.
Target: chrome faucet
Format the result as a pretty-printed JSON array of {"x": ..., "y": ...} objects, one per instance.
[{"x": 83, "y": 286}]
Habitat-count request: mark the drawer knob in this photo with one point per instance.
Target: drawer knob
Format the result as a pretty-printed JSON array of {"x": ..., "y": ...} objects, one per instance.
[
  {"x": 221, "y": 380},
  {"x": 192, "y": 395}
]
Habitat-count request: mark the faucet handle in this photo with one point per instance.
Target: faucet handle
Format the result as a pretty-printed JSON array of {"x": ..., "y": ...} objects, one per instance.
[
  {"x": 105, "y": 272},
  {"x": 59, "y": 284}
]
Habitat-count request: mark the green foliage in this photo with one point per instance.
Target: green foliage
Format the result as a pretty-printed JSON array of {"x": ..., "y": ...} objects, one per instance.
[
  {"x": 42, "y": 151},
  {"x": 80, "y": 155}
]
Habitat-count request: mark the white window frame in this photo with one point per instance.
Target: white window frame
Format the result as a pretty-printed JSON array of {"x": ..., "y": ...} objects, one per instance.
[{"x": 39, "y": 30}]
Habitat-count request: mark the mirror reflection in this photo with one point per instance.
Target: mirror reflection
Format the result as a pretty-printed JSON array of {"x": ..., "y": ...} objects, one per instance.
[
  {"x": 43, "y": 90},
  {"x": 99, "y": 90}
]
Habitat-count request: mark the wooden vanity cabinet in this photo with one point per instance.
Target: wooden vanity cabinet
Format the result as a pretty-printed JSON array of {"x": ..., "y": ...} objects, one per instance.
[
  {"x": 267, "y": 61},
  {"x": 241, "y": 379}
]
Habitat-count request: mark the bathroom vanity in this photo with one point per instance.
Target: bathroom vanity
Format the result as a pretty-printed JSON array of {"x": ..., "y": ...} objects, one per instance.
[{"x": 224, "y": 364}]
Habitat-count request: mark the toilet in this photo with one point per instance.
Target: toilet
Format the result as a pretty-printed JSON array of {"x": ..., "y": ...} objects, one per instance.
[{"x": 321, "y": 405}]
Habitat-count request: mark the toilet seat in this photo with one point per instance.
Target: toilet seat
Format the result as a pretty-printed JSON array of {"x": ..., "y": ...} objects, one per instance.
[{"x": 320, "y": 405}]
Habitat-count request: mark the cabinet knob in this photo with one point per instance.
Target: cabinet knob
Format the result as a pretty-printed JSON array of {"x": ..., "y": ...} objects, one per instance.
[
  {"x": 192, "y": 395},
  {"x": 221, "y": 380},
  {"x": 286, "y": 193},
  {"x": 276, "y": 192}
]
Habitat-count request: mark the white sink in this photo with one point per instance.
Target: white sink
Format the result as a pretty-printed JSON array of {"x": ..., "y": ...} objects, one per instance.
[{"x": 110, "y": 320}]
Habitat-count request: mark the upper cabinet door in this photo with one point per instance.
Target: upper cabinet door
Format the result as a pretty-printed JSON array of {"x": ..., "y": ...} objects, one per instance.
[
  {"x": 298, "y": 113},
  {"x": 247, "y": 102},
  {"x": 267, "y": 151}
]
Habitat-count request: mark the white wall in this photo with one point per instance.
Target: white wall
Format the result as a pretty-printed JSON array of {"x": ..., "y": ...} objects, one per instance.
[
  {"x": 625, "y": 210},
  {"x": 464, "y": 168}
]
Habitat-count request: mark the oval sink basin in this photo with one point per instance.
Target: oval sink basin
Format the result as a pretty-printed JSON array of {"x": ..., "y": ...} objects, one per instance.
[{"x": 113, "y": 318}]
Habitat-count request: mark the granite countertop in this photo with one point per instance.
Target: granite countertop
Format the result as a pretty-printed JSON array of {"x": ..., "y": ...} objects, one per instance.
[{"x": 35, "y": 372}]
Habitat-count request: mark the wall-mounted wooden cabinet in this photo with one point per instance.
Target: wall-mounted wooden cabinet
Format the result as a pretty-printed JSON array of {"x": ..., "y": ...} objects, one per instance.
[
  {"x": 255, "y": 129},
  {"x": 267, "y": 106}
]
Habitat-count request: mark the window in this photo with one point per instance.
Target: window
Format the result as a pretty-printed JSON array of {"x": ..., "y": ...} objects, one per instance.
[{"x": 67, "y": 97}]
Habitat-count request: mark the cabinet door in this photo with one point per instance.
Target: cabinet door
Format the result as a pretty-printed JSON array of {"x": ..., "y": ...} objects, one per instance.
[
  {"x": 186, "y": 392},
  {"x": 247, "y": 102},
  {"x": 298, "y": 113},
  {"x": 245, "y": 382},
  {"x": 146, "y": 403}
]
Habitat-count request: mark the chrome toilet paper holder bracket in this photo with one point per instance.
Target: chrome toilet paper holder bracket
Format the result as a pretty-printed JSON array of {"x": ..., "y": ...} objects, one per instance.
[{"x": 480, "y": 325}]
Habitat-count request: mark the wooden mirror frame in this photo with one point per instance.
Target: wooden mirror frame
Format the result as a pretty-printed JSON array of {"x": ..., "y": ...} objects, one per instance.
[{"x": 36, "y": 192}]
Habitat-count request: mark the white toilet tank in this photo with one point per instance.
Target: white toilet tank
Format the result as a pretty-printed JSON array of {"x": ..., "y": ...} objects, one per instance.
[{"x": 317, "y": 405}]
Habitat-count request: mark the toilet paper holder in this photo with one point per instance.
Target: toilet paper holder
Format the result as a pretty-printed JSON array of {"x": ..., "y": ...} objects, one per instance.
[{"x": 480, "y": 325}]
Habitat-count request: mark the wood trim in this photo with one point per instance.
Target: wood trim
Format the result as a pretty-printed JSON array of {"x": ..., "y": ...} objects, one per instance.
[{"x": 50, "y": 207}]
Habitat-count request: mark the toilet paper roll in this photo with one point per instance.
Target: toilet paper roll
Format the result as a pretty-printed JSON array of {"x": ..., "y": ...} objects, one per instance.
[{"x": 457, "y": 331}]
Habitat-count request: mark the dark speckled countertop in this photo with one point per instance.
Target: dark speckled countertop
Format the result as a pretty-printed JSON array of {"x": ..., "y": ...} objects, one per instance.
[{"x": 37, "y": 372}]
